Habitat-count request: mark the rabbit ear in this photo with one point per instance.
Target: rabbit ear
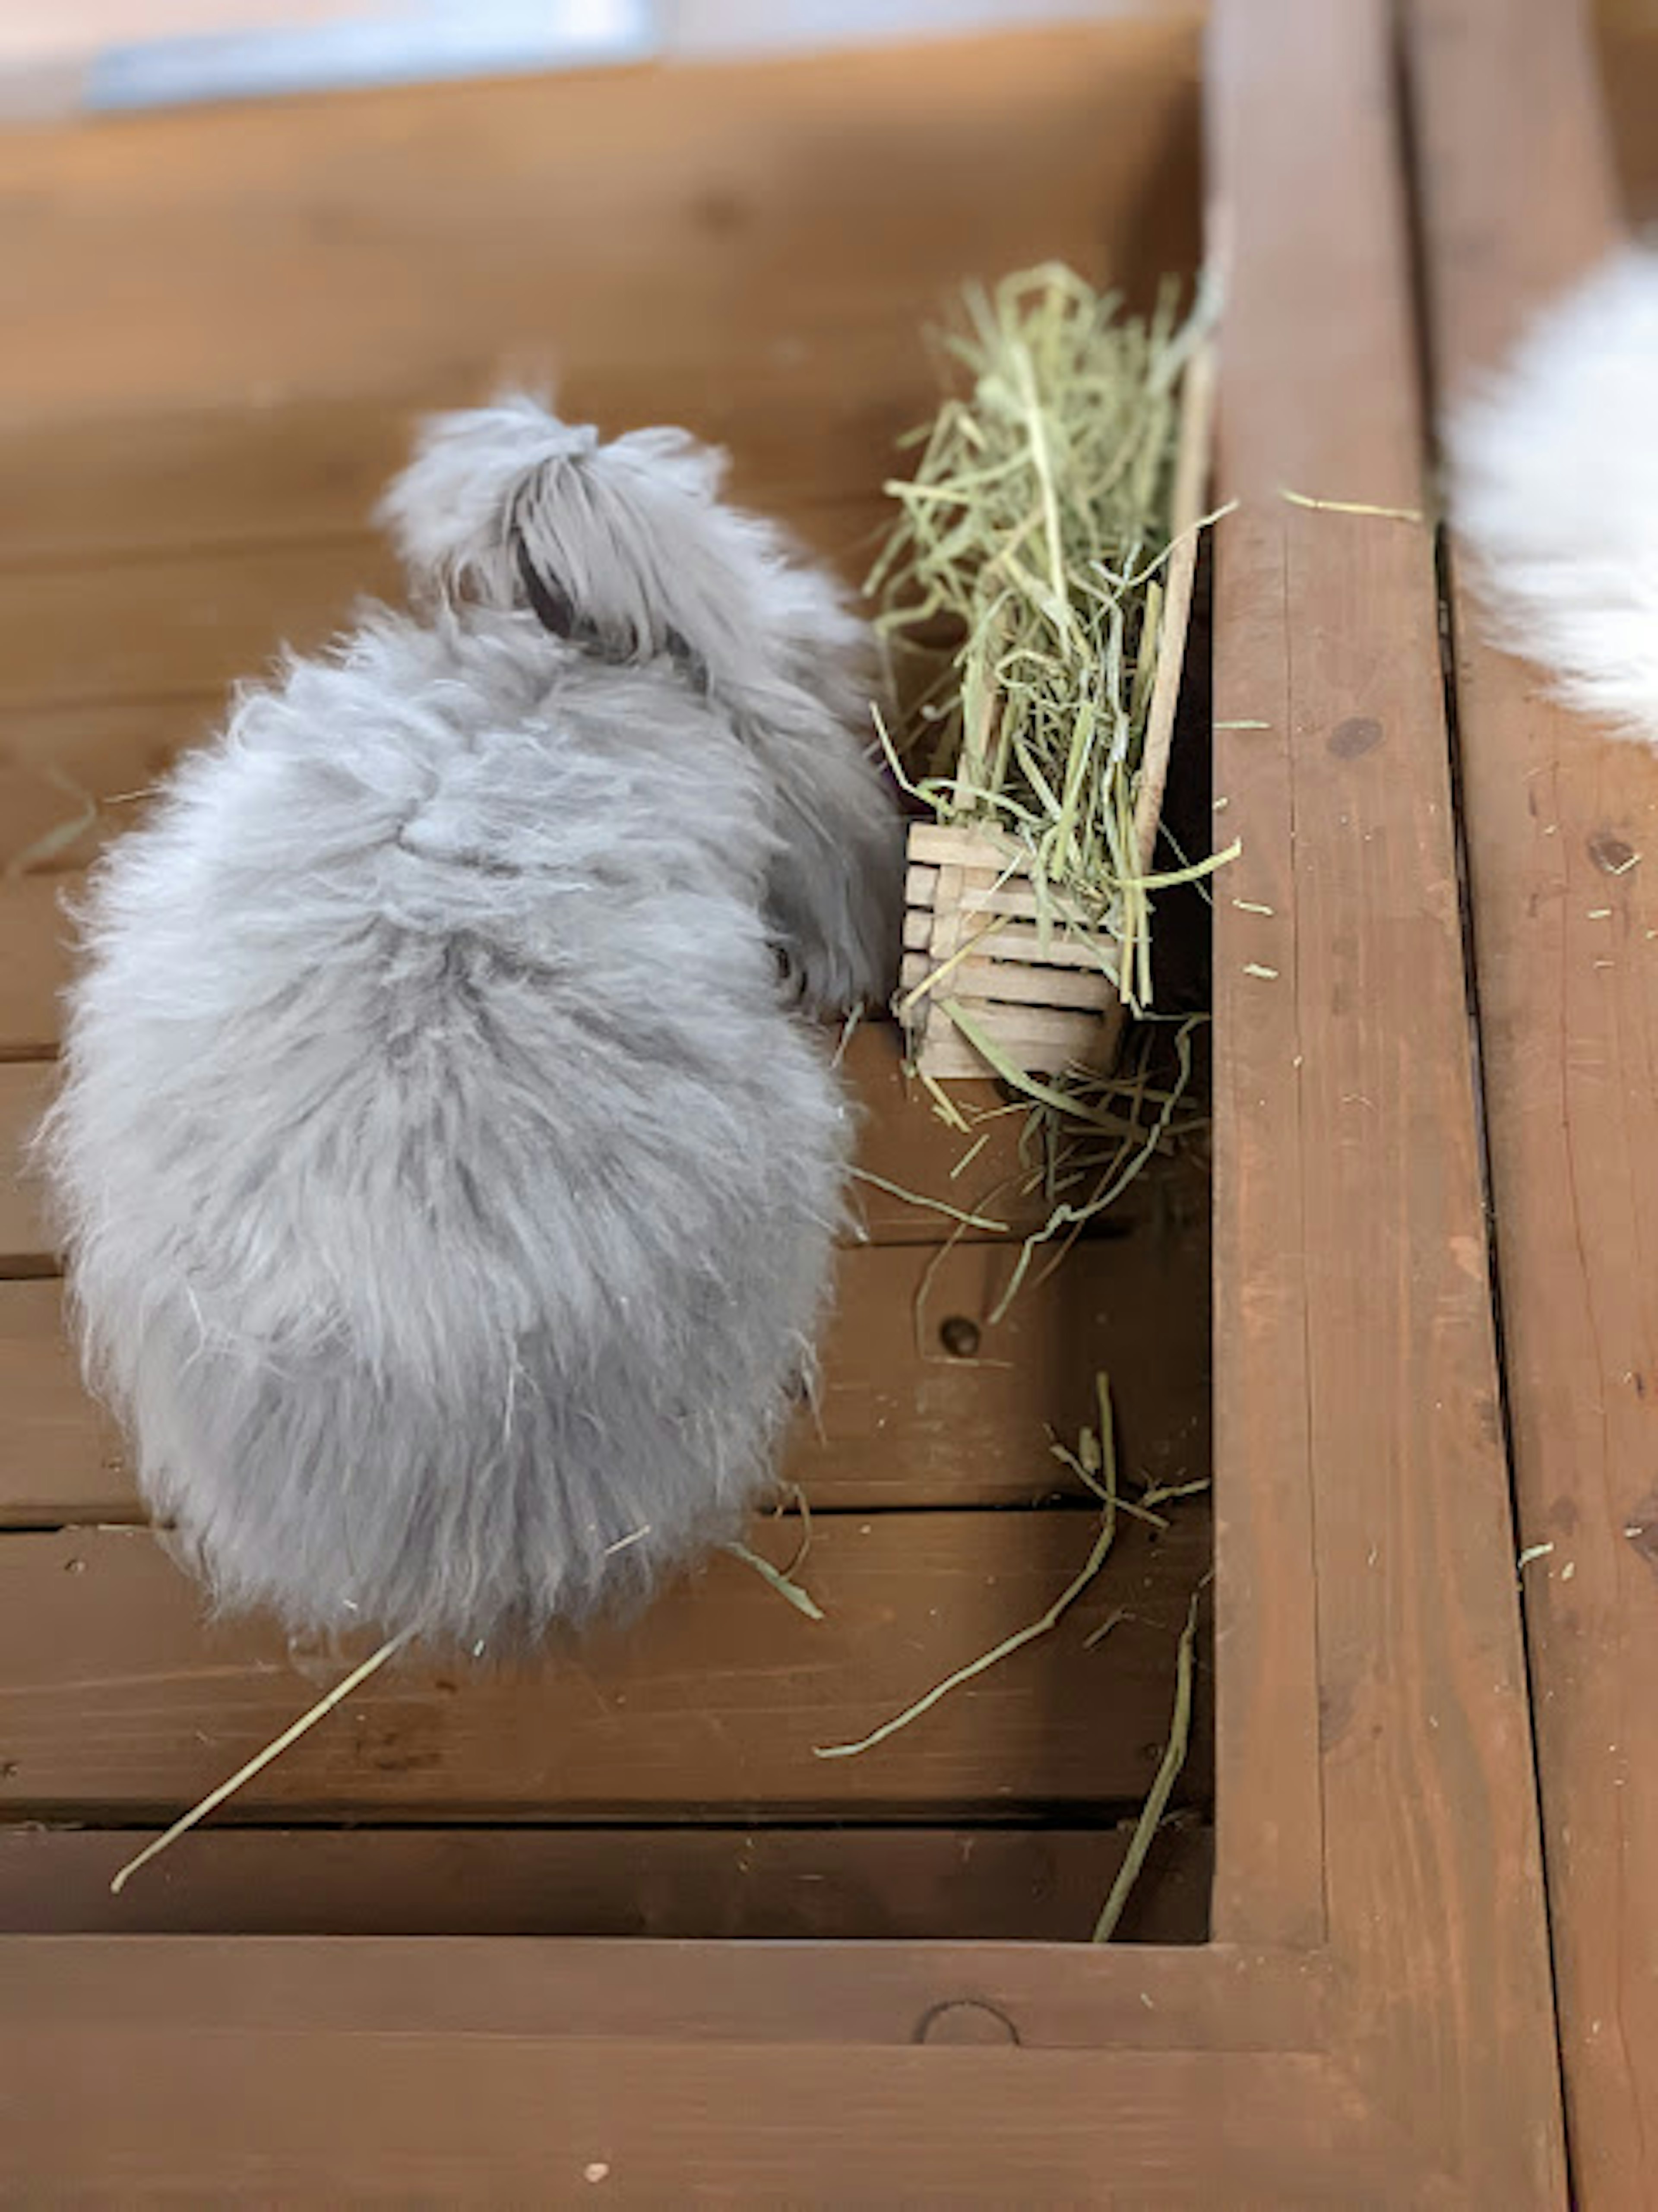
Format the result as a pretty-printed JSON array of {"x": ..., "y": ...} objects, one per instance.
[
  {"x": 625, "y": 549},
  {"x": 620, "y": 548},
  {"x": 449, "y": 510},
  {"x": 550, "y": 602}
]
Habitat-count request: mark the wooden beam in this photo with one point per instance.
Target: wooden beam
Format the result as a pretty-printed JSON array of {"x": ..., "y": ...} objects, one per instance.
[
  {"x": 308, "y": 2116},
  {"x": 1517, "y": 200},
  {"x": 1362, "y": 1485}
]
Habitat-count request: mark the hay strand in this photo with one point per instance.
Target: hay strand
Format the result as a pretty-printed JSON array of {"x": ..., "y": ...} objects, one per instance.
[
  {"x": 780, "y": 1579},
  {"x": 1102, "y": 1448},
  {"x": 261, "y": 1759},
  {"x": 1051, "y": 530},
  {"x": 1157, "y": 1802}
]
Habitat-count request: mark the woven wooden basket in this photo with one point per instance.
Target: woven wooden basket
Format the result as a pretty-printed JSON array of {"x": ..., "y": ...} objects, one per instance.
[{"x": 1042, "y": 999}]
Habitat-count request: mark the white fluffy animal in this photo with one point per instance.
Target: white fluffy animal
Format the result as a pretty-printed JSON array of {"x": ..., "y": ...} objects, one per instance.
[
  {"x": 1553, "y": 481},
  {"x": 448, "y": 1175}
]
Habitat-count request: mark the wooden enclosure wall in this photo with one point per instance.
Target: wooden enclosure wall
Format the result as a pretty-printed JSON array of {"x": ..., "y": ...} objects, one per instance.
[{"x": 1374, "y": 2022}]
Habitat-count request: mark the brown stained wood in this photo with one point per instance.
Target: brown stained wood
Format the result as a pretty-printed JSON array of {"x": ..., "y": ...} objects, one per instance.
[
  {"x": 118, "y": 1699},
  {"x": 303, "y": 471},
  {"x": 663, "y": 220},
  {"x": 1517, "y": 199},
  {"x": 25, "y": 1245},
  {"x": 91, "y": 632},
  {"x": 401, "y": 2115},
  {"x": 913, "y": 1155},
  {"x": 1381, "y": 1325},
  {"x": 900, "y": 1421},
  {"x": 35, "y": 964},
  {"x": 760, "y": 1884},
  {"x": 60, "y": 1457},
  {"x": 172, "y": 623},
  {"x": 71, "y": 777},
  {"x": 1628, "y": 46},
  {"x": 1147, "y": 1997},
  {"x": 1406, "y": 2063}
]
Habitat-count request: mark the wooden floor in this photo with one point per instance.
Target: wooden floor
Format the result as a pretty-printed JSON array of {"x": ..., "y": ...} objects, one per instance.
[
  {"x": 1425, "y": 1779},
  {"x": 212, "y": 384}
]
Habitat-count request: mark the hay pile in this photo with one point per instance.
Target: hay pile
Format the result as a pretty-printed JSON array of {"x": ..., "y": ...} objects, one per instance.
[{"x": 1021, "y": 595}]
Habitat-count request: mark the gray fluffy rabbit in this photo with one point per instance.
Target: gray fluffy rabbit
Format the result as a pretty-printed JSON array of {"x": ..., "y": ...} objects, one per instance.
[{"x": 448, "y": 1175}]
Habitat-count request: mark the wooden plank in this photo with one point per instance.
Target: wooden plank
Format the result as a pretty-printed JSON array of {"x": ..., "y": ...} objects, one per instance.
[
  {"x": 69, "y": 776},
  {"x": 60, "y": 1456},
  {"x": 35, "y": 964},
  {"x": 453, "y": 233},
  {"x": 909, "y": 1190},
  {"x": 882, "y": 1994},
  {"x": 94, "y": 631},
  {"x": 1628, "y": 45},
  {"x": 25, "y": 1245},
  {"x": 752, "y": 1885},
  {"x": 902, "y": 1419},
  {"x": 177, "y": 623},
  {"x": 117, "y": 1699},
  {"x": 1374, "y": 1329},
  {"x": 287, "y": 472},
  {"x": 407, "y": 2116},
  {"x": 1517, "y": 199}
]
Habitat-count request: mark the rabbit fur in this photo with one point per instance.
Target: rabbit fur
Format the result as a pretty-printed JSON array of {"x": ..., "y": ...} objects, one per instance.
[
  {"x": 448, "y": 1170},
  {"x": 1552, "y": 478}
]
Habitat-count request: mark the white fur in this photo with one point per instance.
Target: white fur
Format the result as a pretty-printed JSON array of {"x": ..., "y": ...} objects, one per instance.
[
  {"x": 1553, "y": 481},
  {"x": 448, "y": 1182}
]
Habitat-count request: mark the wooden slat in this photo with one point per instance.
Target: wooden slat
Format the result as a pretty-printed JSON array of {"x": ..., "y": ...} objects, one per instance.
[
  {"x": 176, "y": 622},
  {"x": 35, "y": 964},
  {"x": 900, "y": 1421},
  {"x": 1362, "y": 1486},
  {"x": 60, "y": 1457},
  {"x": 69, "y": 776},
  {"x": 118, "y": 1699},
  {"x": 293, "y": 471},
  {"x": 650, "y": 218},
  {"x": 1629, "y": 78},
  {"x": 914, "y": 1197},
  {"x": 1218, "y": 1998},
  {"x": 25, "y": 1246},
  {"x": 759, "y": 1884},
  {"x": 403, "y": 2115},
  {"x": 1517, "y": 200},
  {"x": 94, "y": 632}
]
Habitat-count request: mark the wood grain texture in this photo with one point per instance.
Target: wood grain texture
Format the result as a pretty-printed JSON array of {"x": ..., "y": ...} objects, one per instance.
[
  {"x": 307, "y": 470},
  {"x": 1147, "y": 1997},
  {"x": 35, "y": 940},
  {"x": 1366, "y": 1579},
  {"x": 118, "y": 1700},
  {"x": 25, "y": 1244},
  {"x": 901, "y": 1421},
  {"x": 405, "y": 2115},
  {"x": 1517, "y": 198},
  {"x": 669, "y": 221},
  {"x": 668, "y": 1884},
  {"x": 1432, "y": 1886},
  {"x": 70, "y": 776}
]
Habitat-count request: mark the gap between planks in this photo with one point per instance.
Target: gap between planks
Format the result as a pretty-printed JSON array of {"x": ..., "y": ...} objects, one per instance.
[{"x": 767, "y": 1883}]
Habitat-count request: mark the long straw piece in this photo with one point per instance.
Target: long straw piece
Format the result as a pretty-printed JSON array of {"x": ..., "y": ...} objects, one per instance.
[{"x": 260, "y": 1760}]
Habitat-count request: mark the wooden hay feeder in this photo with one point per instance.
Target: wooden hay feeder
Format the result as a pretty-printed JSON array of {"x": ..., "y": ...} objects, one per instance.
[{"x": 1046, "y": 996}]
